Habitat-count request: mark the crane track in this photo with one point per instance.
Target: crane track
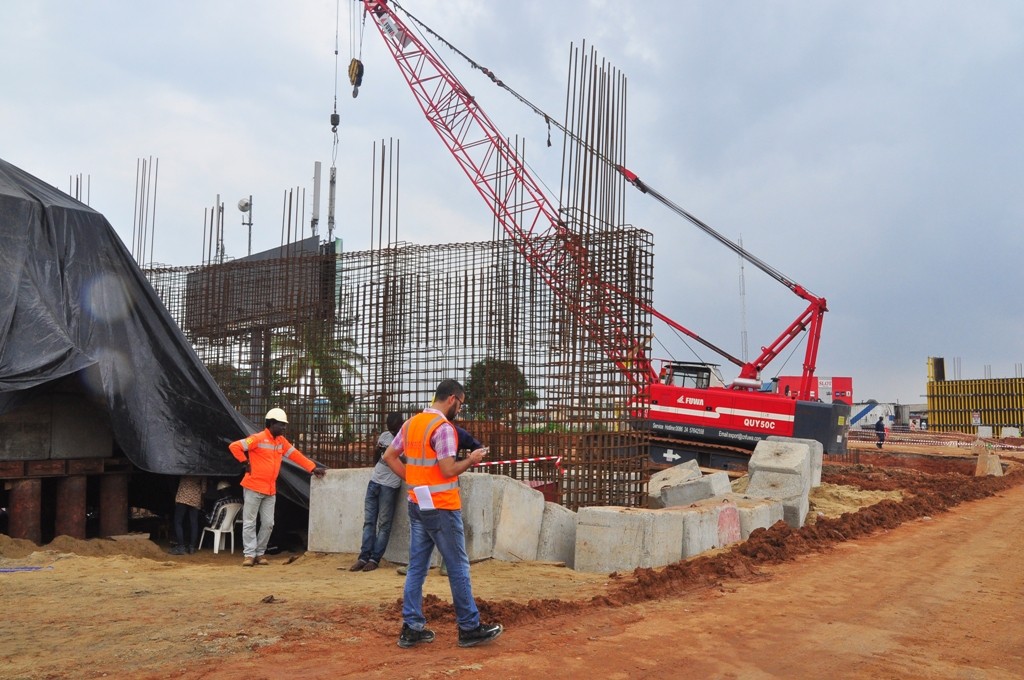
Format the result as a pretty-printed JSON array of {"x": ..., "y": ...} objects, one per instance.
[{"x": 703, "y": 450}]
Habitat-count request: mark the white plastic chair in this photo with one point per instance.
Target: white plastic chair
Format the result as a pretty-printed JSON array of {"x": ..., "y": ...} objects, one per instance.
[{"x": 223, "y": 526}]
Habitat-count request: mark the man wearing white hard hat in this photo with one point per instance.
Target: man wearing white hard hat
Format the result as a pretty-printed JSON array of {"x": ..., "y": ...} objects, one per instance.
[{"x": 260, "y": 455}]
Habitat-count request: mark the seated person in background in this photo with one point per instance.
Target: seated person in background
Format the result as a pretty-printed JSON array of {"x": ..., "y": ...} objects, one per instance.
[{"x": 225, "y": 493}]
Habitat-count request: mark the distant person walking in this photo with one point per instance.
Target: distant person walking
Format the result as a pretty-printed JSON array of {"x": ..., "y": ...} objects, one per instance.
[
  {"x": 261, "y": 455},
  {"x": 880, "y": 432},
  {"x": 188, "y": 501},
  {"x": 432, "y": 470},
  {"x": 379, "y": 502}
]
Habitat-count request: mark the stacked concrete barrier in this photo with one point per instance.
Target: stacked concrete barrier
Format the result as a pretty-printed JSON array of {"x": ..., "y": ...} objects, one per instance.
[
  {"x": 508, "y": 520},
  {"x": 817, "y": 455},
  {"x": 781, "y": 470},
  {"x": 557, "y": 535},
  {"x": 336, "y": 511},
  {"x": 707, "y": 524},
  {"x": 988, "y": 462},
  {"x": 622, "y": 539},
  {"x": 519, "y": 516},
  {"x": 478, "y": 513},
  {"x": 670, "y": 477},
  {"x": 693, "y": 490},
  {"x": 336, "y": 517},
  {"x": 614, "y": 538},
  {"x": 755, "y": 513}
]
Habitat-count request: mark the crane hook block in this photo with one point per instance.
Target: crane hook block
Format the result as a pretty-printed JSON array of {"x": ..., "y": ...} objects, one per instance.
[
  {"x": 355, "y": 72},
  {"x": 335, "y": 119},
  {"x": 355, "y": 76}
]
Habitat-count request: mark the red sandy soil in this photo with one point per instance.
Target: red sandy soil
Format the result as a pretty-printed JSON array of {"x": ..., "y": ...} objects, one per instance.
[{"x": 910, "y": 568}]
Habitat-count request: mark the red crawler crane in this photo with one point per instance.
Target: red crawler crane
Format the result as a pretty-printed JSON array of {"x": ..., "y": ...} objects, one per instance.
[{"x": 688, "y": 409}]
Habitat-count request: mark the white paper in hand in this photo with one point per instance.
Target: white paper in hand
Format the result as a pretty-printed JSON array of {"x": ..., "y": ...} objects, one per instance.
[{"x": 423, "y": 498}]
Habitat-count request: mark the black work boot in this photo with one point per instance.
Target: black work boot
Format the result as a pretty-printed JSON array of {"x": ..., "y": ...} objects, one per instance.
[
  {"x": 479, "y": 635},
  {"x": 411, "y": 638}
]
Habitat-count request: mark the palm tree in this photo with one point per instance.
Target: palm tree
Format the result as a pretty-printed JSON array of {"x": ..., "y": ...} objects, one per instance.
[{"x": 309, "y": 362}]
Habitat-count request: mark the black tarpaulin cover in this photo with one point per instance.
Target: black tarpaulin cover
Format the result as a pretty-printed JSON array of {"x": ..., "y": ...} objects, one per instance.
[{"x": 74, "y": 302}]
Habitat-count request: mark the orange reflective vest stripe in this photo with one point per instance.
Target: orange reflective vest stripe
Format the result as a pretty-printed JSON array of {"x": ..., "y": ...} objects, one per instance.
[{"x": 421, "y": 468}]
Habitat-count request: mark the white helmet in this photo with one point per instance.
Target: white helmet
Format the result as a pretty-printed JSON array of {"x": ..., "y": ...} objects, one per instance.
[{"x": 276, "y": 414}]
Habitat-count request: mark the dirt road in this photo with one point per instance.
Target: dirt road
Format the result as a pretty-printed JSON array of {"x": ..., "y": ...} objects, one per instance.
[
  {"x": 937, "y": 597},
  {"x": 899, "y": 590}
]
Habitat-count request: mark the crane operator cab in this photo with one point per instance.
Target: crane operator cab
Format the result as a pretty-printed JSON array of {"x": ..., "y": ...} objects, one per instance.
[{"x": 691, "y": 374}]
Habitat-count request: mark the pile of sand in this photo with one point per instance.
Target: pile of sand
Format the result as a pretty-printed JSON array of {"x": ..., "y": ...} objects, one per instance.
[{"x": 131, "y": 546}]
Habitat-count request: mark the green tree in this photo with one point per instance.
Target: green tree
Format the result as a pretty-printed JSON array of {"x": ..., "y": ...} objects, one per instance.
[
  {"x": 497, "y": 390},
  {"x": 310, "y": 361}
]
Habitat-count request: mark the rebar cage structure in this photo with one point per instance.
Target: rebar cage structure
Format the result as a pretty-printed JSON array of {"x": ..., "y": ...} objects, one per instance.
[
  {"x": 339, "y": 340},
  {"x": 363, "y": 334}
]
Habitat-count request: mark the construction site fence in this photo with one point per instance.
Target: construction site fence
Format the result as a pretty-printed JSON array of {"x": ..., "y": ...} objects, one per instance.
[
  {"x": 953, "y": 440},
  {"x": 964, "y": 405}
]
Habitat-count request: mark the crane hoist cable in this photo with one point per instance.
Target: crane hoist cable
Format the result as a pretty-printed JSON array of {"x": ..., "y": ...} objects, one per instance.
[
  {"x": 355, "y": 64},
  {"x": 335, "y": 118}
]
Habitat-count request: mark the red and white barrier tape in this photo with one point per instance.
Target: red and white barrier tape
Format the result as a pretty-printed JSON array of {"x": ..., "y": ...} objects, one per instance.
[
  {"x": 934, "y": 440},
  {"x": 557, "y": 459}
]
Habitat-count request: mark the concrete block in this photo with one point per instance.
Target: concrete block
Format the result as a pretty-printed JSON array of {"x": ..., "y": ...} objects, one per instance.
[
  {"x": 755, "y": 513},
  {"x": 479, "y": 518},
  {"x": 620, "y": 539},
  {"x": 721, "y": 526},
  {"x": 777, "y": 485},
  {"x": 699, "y": 525},
  {"x": 788, "y": 456},
  {"x": 685, "y": 493},
  {"x": 781, "y": 470},
  {"x": 816, "y": 451},
  {"x": 336, "y": 511},
  {"x": 1011, "y": 432},
  {"x": 720, "y": 483},
  {"x": 700, "y": 533},
  {"x": 988, "y": 463},
  {"x": 557, "y": 535},
  {"x": 795, "y": 509},
  {"x": 677, "y": 474},
  {"x": 984, "y": 431},
  {"x": 517, "y": 531}
]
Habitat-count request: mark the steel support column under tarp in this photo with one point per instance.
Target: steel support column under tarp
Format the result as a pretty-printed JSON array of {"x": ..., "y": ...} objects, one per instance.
[
  {"x": 26, "y": 509},
  {"x": 71, "y": 493},
  {"x": 113, "y": 505}
]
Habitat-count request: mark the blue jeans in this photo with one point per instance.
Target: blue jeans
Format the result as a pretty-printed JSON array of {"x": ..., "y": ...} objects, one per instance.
[
  {"x": 256, "y": 504},
  {"x": 441, "y": 528},
  {"x": 378, "y": 512}
]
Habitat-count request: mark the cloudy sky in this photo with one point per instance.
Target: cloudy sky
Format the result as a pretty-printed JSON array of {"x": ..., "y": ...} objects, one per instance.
[{"x": 871, "y": 151}]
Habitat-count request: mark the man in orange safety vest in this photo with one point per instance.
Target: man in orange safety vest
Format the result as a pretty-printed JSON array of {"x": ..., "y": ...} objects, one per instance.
[
  {"x": 261, "y": 455},
  {"x": 429, "y": 443}
]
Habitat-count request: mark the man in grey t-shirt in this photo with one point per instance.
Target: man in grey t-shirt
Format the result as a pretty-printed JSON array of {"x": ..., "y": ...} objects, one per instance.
[{"x": 379, "y": 505}]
